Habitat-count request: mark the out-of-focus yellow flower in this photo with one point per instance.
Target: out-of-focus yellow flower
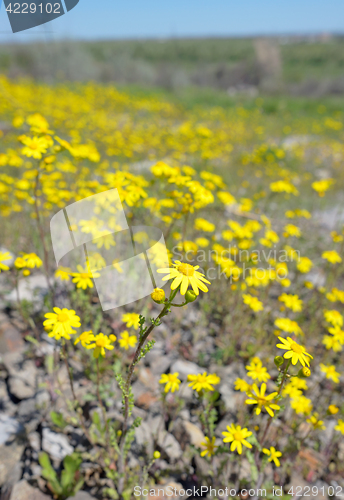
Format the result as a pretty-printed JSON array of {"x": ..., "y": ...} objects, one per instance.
[
  {"x": 330, "y": 372},
  {"x": 4, "y": 256},
  {"x": 334, "y": 317},
  {"x": 340, "y": 426},
  {"x": 288, "y": 325},
  {"x": 333, "y": 409},
  {"x": 332, "y": 256},
  {"x": 100, "y": 343},
  {"x": 304, "y": 265},
  {"x": 127, "y": 340},
  {"x": 322, "y": 186},
  {"x": 273, "y": 455},
  {"x": 131, "y": 320},
  {"x": 315, "y": 422},
  {"x": 63, "y": 273},
  {"x": 203, "y": 382},
  {"x": 301, "y": 405},
  {"x": 171, "y": 380},
  {"x": 255, "y": 304},
  {"x": 85, "y": 338},
  {"x": 293, "y": 302},
  {"x": 241, "y": 385},
  {"x": 257, "y": 371},
  {"x": 210, "y": 447}
]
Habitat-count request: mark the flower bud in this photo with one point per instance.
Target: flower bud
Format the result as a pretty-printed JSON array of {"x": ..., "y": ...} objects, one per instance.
[
  {"x": 278, "y": 361},
  {"x": 158, "y": 295},
  {"x": 304, "y": 372},
  {"x": 190, "y": 296},
  {"x": 156, "y": 454}
]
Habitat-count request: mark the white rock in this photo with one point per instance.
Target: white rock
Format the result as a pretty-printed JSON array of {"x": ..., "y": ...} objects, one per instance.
[
  {"x": 185, "y": 368},
  {"x": 56, "y": 445},
  {"x": 9, "y": 427}
]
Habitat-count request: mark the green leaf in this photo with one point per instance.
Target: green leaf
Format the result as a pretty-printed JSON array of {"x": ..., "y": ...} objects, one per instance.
[{"x": 58, "y": 420}]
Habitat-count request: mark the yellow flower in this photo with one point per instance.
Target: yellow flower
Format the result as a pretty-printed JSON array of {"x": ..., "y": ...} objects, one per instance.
[
  {"x": 291, "y": 230},
  {"x": 291, "y": 301},
  {"x": 237, "y": 436},
  {"x": 334, "y": 341},
  {"x": 101, "y": 342},
  {"x": 288, "y": 325},
  {"x": 210, "y": 447},
  {"x": 333, "y": 409},
  {"x": 203, "y": 382},
  {"x": 131, "y": 320},
  {"x": 61, "y": 323},
  {"x": 35, "y": 147},
  {"x": 63, "y": 273},
  {"x": 315, "y": 422},
  {"x": 301, "y": 405},
  {"x": 253, "y": 302},
  {"x": 340, "y": 426},
  {"x": 171, "y": 380},
  {"x": 262, "y": 401},
  {"x": 204, "y": 225},
  {"x": 241, "y": 385},
  {"x": 322, "y": 186},
  {"x": 83, "y": 278},
  {"x": 32, "y": 260},
  {"x": 330, "y": 372},
  {"x": 257, "y": 371},
  {"x": 158, "y": 295},
  {"x": 295, "y": 352},
  {"x": 273, "y": 455},
  {"x": 19, "y": 263},
  {"x": 184, "y": 275},
  {"x": 85, "y": 338},
  {"x": 4, "y": 256},
  {"x": 127, "y": 340},
  {"x": 333, "y": 317},
  {"x": 304, "y": 264},
  {"x": 331, "y": 256}
]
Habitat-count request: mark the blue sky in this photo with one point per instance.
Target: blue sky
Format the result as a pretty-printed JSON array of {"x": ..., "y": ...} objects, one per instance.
[{"x": 95, "y": 19}]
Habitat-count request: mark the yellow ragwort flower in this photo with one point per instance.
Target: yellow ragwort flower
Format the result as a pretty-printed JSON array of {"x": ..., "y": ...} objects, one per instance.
[
  {"x": 131, "y": 320},
  {"x": 184, "y": 275},
  {"x": 257, "y": 371},
  {"x": 85, "y": 338},
  {"x": 171, "y": 380},
  {"x": 237, "y": 436},
  {"x": 4, "y": 256},
  {"x": 273, "y": 455},
  {"x": 100, "y": 343},
  {"x": 203, "y": 381},
  {"x": 61, "y": 323},
  {"x": 295, "y": 351},
  {"x": 330, "y": 372},
  {"x": 127, "y": 340},
  {"x": 262, "y": 400},
  {"x": 210, "y": 447}
]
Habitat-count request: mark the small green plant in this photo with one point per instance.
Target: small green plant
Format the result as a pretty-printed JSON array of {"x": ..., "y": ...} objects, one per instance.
[{"x": 70, "y": 481}]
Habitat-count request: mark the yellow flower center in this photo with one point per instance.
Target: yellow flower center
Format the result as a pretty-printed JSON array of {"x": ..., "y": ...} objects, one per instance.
[
  {"x": 101, "y": 342},
  {"x": 62, "y": 318},
  {"x": 238, "y": 436},
  {"x": 186, "y": 269},
  {"x": 84, "y": 276},
  {"x": 296, "y": 347}
]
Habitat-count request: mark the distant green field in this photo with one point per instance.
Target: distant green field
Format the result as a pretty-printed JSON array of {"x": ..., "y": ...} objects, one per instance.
[{"x": 313, "y": 66}]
